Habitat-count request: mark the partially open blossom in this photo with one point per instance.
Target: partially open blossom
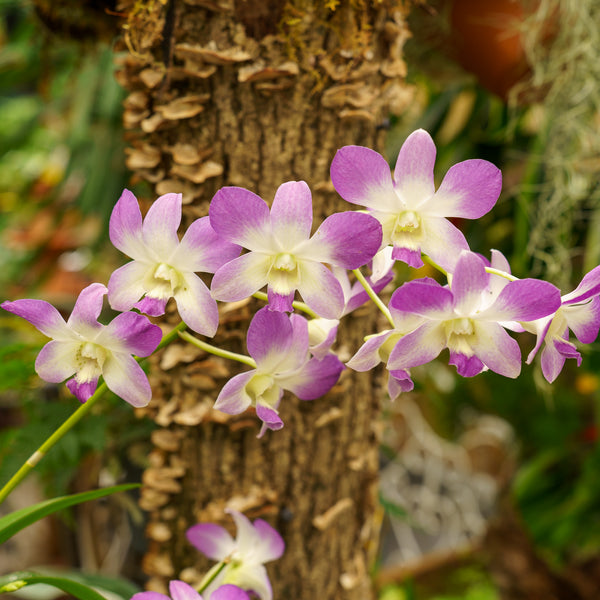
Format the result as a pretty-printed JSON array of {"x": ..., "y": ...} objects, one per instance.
[
  {"x": 467, "y": 319},
  {"x": 164, "y": 267},
  {"x": 413, "y": 214},
  {"x": 579, "y": 312},
  {"x": 282, "y": 254},
  {"x": 256, "y": 543},
  {"x": 84, "y": 349},
  {"x": 279, "y": 344},
  {"x": 179, "y": 590}
]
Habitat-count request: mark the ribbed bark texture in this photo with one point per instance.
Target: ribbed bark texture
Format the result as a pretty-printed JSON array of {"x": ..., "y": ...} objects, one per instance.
[{"x": 254, "y": 93}]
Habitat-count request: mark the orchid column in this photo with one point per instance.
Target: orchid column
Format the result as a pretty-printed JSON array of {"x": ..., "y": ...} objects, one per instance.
[{"x": 252, "y": 94}]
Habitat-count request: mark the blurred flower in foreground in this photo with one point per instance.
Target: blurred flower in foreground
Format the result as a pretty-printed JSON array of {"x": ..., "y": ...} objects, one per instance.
[{"x": 256, "y": 543}]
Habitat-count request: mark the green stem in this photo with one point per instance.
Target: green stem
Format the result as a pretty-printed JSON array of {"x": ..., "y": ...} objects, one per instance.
[
  {"x": 428, "y": 260},
  {"x": 504, "y": 274},
  {"x": 212, "y": 574},
  {"x": 37, "y": 456},
  {"x": 247, "y": 360},
  {"x": 376, "y": 299},
  {"x": 297, "y": 305}
]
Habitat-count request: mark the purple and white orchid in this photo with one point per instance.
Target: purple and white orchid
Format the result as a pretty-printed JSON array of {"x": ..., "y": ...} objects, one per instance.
[
  {"x": 86, "y": 349},
  {"x": 579, "y": 311},
  {"x": 256, "y": 543},
  {"x": 282, "y": 254},
  {"x": 279, "y": 345},
  {"x": 413, "y": 214},
  {"x": 179, "y": 590},
  {"x": 164, "y": 267},
  {"x": 467, "y": 319}
]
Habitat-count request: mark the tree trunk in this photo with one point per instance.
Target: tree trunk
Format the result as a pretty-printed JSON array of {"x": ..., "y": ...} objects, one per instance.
[{"x": 254, "y": 93}]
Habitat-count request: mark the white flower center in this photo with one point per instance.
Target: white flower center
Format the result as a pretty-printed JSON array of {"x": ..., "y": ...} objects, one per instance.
[
  {"x": 262, "y": 387},
  {"x": 458, "y": 334},
  {"x": 284, "y": 275},
  {"x": 89, "y": 359},
  {"x": 163, "y": 282}
]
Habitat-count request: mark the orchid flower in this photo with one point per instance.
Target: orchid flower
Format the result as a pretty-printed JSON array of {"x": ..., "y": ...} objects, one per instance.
[
  {"x": 579, "y": 311},
  {"x": 412, "y": 213},
  {"x": 466, "y": 319},
  {"x": 256, "y": 543},
  {"x": 282, "y": 254},
  {"x": 86, "y": 349},
  {"x": 162, "y": 265},
  {"x": 279, "y": 345},
  {"x": 179, "y": 590}
]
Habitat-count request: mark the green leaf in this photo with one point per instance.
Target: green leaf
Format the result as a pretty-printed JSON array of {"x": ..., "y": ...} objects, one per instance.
[
  {"x": 19, "y": 519},
  {"x": 15, "y": 581}
]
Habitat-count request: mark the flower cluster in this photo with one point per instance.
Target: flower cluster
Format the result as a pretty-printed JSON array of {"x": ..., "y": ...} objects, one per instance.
[{"x": 248, "y": 245}]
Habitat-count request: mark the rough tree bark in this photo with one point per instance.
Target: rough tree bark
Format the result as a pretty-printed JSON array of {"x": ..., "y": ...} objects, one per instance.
[{"x": 254, "y": 93}]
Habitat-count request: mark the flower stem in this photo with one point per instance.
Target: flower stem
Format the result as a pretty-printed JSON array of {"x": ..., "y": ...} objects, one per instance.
[
  {"x": 376, "y": 299},
  {"x": 428, "y": 260},
  {"x": 212, "y": 574},
  {"x": 500, "y": 273},
  {"x": 247, "y": 360},
  {"x": 37, "y": 456},
  {"x": 297, "y": 305}
]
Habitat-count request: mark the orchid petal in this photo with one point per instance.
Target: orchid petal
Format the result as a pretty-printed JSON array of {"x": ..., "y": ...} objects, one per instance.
[
  {"x": 180, "y": 590},
  {"x": 229, "y": 592},
  {"x": 269, "y": 416},
  {"x": 269, "y": 338},
  {"x": 584, "y": 320},
  {"x": 469, "y": 281},
  {"x": 212, "y": 540},
  {"x": 469, "y": 190},
  {"x": 418, "y": 347},
  {"x": 131, "y": 333},
  {"x": 233, "y": 398},
  {"x": 57, "y": 360},
  {"x": 292, "y": 214},
  {"x": 159, "y": 230},
  {"x": 320, "y": 290},
  {"x": 126, "y": 285},
  {"x": 466, "y": 366},
  {"x": 399, "y": 381},
  {"x": 153, "y": 307},
  {"x": 241, "y": 277},
  {"x": 552, "y": 362},
  {"x": 362, "y": 176},
  {"x": 126, "y": 379},
  {"x": 125, "y": 227},
  {"x": 84, "y": 317},
  {"x": 442, "y": 242},
  {"x": 367, "y": 357},
  {"x": 43, "y": 316},
  {"x": 588, "y": 287},
  {"x": 426, "y": 298},
  {"x": 413, "y": 173},
  {"x": 202, "y": 250},
  {"x": 315, "y": 378},
  {"x": 252, "y": 577},
  {"x": 523, "y": 300},
  {"x": 348, "y": 239},
  {"x": 496, "y": 349},
  {"x": 197, "y": 308},
  {"x": 83, "y": 390},
  {"x": 149, "y": 596},
  {"x": 270, "y": 544},
  {"x": 241, "y": 217}
]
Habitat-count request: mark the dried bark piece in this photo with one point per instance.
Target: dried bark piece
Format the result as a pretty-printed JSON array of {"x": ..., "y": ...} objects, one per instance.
[
  {"x": 144, "y": 157},
  {"x": 151, "y": 77},
  {"x": 214, "y": 5},
  {"x": 175, "y": 354},
  {"x": 357, "y": 114},
  {"x": 324, "y": 520},
  {"x": 262, "y": 72},
  {"x": 151, "y": 124},
  {"x": 152, "y": 499},
  {"x": 198, "y": 174},
  {"x": 357, "y": 95},
  {"x": 166, "y": 439},
  {"x": 159, "y": 532},
  {"x": 184, "y": 107},
  {"x": 211, "y": 54}
]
